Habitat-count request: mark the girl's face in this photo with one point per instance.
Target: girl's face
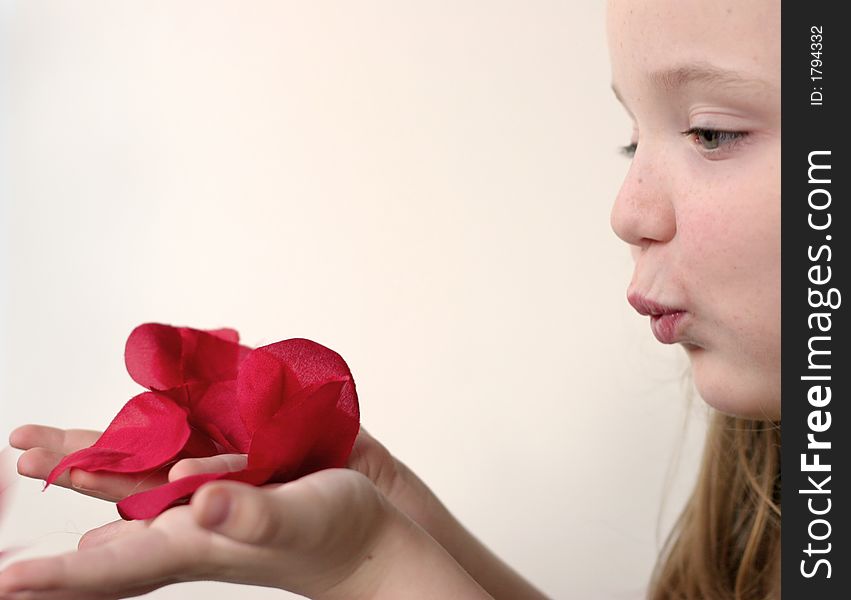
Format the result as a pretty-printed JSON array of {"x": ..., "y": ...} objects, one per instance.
[{"x": 700, "y": 206}]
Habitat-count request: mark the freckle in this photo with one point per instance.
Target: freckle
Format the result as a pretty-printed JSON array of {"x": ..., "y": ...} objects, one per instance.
[{"x": 640, "y": 180}]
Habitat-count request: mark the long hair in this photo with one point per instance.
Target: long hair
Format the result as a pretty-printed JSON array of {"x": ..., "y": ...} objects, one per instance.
[{"x": 726, "y": 543}]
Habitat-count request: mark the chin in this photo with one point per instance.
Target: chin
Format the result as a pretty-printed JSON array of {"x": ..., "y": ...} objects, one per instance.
[{"x": 737, "y": 389}]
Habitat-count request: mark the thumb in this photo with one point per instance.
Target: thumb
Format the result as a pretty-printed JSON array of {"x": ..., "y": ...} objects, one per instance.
[{"x": 245, "y": 513}]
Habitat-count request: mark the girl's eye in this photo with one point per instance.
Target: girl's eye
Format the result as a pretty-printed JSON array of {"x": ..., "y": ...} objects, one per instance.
[
  {"x": 710, "y": 140},
  {"x": 713, "y": 139}
]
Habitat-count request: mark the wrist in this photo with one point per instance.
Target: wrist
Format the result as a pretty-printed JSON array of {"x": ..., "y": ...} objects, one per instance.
[
  {"x": 485, "y": 567},
  {"x": 420, "y": 503},
  {"x": 405, "y": 561},
  {"x": 390, "y": 546}
]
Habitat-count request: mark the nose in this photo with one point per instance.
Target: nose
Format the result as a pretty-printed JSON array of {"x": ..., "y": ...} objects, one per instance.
[{"x": 643, "y": 211}]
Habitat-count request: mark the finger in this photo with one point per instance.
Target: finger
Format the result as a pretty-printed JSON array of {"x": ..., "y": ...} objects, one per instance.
[
  {"x": 370, "y": 458},
  {"x": 221, "y": 463},
  {"x": 110, "y": 531},
  {"x": 115, "y": 486},
  {"x": 364, "y": 434},
  {"x": 303, "y": 510},
  {"x": 244, "y": 513},
  {"x": 114, "y": 569},
  {"x": 366, "y": 446},
  {"x": 63, "y": 441},
  {"x": 39, "y": 462}
]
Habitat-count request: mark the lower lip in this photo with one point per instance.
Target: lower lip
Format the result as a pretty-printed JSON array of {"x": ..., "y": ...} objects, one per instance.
[{"x": 666, "y": 327}]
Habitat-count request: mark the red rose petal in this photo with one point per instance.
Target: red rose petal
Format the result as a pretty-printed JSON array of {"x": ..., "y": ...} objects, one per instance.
[
  {"x": 292, "y": 406},
  {"x": 148, "y": 432},
  {"x": 261, "y": 385},
  {"x": 150, "y": 503},
  {"x": 153, "y": 356},
  {"x": 309, "y": 432},
  {"x": 313, "y": 429},
  {"x": 216, "y": 413},
  {"x": 162, "y": 357},
  {"x": 272, "y": 373},
  {"x": 226, "y": 333},
  {"x": 208, "y": 357},
  {"x": 199, "y": 445}
]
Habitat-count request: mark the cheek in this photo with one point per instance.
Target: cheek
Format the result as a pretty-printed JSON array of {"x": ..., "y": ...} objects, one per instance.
[
  {"x": 730, "y": 264},
  {"x": 730, "y": 237}
]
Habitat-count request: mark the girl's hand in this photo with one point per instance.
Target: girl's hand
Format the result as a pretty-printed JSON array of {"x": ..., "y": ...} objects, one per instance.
[
  {"x": 46, "y": 446},
  {"x": 328, "y": 535},
  {"x": 308, "y": 536}
]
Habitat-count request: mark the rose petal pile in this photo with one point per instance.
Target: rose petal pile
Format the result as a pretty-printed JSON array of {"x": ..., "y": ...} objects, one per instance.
[{"x": 290, "y": 406}]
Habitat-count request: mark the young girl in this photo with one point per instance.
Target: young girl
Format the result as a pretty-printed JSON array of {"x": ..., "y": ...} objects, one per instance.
[{"x": 700, "y": 210}]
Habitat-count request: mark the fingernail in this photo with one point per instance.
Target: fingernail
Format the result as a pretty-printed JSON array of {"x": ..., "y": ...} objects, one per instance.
[
  {"x": 75, "y": 475},
  {"x": 216, "y": 509}
]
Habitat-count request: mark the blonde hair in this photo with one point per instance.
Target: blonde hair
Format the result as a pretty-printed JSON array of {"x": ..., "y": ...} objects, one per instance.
[{"x": 726, "y": 543}]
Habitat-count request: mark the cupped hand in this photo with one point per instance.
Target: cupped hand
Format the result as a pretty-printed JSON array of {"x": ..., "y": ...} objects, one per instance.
[
  {"x": 46, "y": 446},
  {"x": 311, "y": 536}
]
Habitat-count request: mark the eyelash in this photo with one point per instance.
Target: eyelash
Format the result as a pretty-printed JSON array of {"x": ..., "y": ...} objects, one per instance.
[{"x": 731, "y": 136}]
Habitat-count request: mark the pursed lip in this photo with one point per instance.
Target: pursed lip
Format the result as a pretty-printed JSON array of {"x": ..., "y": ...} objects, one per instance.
[
  {"x": 648, "y": 307},
  {"x": 665, "y": 321}
]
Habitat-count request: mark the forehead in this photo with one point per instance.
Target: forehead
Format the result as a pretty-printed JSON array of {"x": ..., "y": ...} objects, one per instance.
[{"x": 652, "y": 37}]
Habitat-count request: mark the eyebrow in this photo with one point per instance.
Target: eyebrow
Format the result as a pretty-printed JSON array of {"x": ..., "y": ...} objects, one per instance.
[{"x": 700, "y": 73}]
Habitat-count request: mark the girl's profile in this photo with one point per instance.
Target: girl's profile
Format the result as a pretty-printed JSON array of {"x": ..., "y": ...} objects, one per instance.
[{"x": 699, "y": 211}]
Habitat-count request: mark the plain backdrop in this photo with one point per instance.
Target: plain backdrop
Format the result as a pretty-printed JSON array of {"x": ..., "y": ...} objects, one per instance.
[{"x": 423, "y": 186}]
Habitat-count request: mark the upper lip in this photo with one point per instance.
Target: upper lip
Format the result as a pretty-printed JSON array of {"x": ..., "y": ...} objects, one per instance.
[{"x": 646, "y": 306}]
